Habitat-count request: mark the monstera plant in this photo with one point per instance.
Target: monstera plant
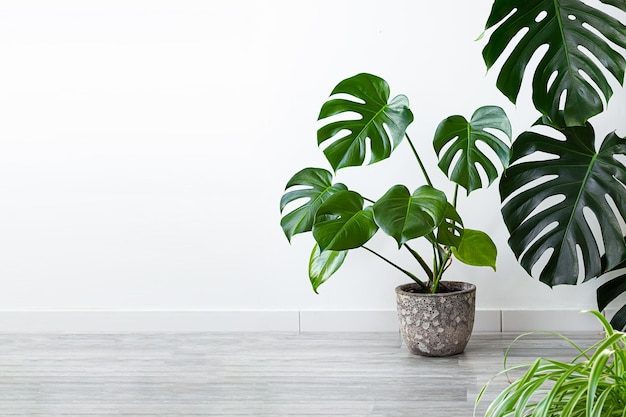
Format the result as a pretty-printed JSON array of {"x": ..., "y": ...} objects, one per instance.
[
  {"x": 361, "y": 119},
  {"x": 564, "y": 192}
]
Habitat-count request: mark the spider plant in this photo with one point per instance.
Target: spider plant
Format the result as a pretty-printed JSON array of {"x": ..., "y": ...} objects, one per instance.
[{"x": 593, "y": 384}]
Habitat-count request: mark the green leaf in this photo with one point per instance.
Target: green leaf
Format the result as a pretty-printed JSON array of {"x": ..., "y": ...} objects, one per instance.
[
  {"x": 342, "y": 223},
  {"x": 322, "y": 265},
  {"x": 613, "y": 288},
  {"x": 476, "y": 249},
  {"x": 450, "y": 230},
  {"x": 569, "y": 29},
  {"x": 620, "y": 4},
  {"x": 463, "y": 136},
  {"x": 618, "y": 321},
  {"x": 578, "y": 179},
  {"x": 608, "y": 330},
  {"x": 610, "y": 291},
  {"x": 370, "y": 101},
  {"x": 318, "y": 187},
  {"x": 598, "y": 368},
  {"x": 585, "y": 386},
  {"x": 406, "y": 216}
]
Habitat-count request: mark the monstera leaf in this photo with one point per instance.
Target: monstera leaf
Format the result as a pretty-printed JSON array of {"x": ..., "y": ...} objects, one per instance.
[
  {"x": 371, "y": 103},
  {"x": 450, "y": 230},
  {"x": 405, "y": 216},
  {"x": 477, "y": 249},
  {"x": 610, "y": 291},
  {"x": 569, "y": 28},
  {"x": 463, "y": 137},
  {"x": 323, "y": 264},
  {"x": 318, "y": 187},
  {"x": 342, "y": 223},
  {"x": 549, "y": 201}
]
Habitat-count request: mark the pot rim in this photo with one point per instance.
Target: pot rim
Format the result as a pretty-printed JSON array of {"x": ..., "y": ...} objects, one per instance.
[{"x": 469, "y": 287}]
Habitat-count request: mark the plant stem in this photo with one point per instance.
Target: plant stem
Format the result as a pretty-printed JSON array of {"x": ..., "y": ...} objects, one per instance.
[
  {"x": 419, "y": 161},
  {"x": 410, "y": 275},
  {"x": 421, "y": 261},
  {"x": 439, "y": 272},
  {"x": 435, "y": 261}
]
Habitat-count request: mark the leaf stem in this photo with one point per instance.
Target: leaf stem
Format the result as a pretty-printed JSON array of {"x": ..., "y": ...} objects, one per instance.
[
  {"x": 421, "y": 261},
  {"x": 410, "y": 275},
  {"x": 419, "y": 160},
  {"x": 456, "y": 194},
  {"x": 435, "y": 259},
  {"x": 440, "y": 271}
]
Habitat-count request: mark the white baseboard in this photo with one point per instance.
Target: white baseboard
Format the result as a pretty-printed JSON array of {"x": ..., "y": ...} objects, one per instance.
[
  {"x": 99, "y": 321},
  {"x": 356, "y": 321},
  {"x": 488, "y": 321},
  {"x": 88, "y": 321},
  {"x": 550, "y": 320}
]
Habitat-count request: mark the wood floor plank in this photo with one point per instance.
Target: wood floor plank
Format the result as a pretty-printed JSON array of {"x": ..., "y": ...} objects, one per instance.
[{"x": 259, "y": 374}]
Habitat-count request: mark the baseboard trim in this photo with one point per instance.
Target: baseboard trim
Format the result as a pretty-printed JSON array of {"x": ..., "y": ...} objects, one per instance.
[
  {"x": 549, "y": 320},
  {"x": 355, "y": 321},
  {"x": 95, "y": 321},
  {"x": 118, "y": 321}
]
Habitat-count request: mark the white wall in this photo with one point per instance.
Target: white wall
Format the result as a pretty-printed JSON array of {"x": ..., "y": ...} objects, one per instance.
[{"x": 144, "y": 146}]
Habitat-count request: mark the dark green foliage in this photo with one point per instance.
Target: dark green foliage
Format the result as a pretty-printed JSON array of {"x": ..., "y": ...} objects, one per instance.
[
  {"x": 581, "y": 180},
  {"x": 364, "y": 119},
  {"x": 318, "y": 187},
  {"x": 608, "y": 292},
  {"x": 405, "y": 216},
  {"x": 371, "y": 103},
  {"x": 462, "y": 138},
  {"x": 563, "y": 29}
]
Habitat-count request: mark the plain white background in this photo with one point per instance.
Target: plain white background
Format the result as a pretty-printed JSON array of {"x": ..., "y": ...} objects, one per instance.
[{"x": 144, "y": 147}]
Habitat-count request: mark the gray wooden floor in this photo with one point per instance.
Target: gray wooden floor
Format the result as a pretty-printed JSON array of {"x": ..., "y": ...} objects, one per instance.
[{"x": 226, "y": 374}]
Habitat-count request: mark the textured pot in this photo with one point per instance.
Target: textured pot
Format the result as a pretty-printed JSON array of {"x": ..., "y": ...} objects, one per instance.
[{"x": 436, "y": 324}]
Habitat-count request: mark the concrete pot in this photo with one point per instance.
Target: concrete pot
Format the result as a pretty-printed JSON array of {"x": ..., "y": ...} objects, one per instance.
[{"x": 436, "y": 324}]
